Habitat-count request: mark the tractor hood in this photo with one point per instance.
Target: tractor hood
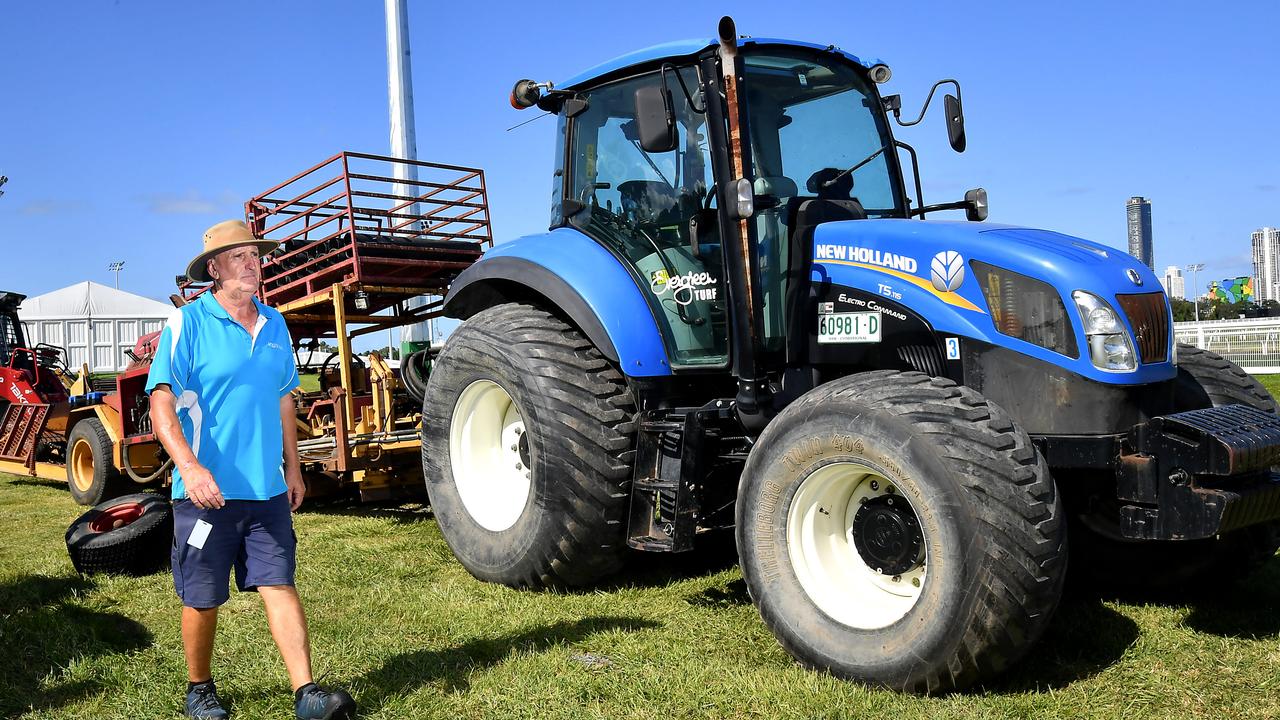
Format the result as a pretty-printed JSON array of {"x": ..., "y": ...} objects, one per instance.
[{"x": 928, "y": 266}]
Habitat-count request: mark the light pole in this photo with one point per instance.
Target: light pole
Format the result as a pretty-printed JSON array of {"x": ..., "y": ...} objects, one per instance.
[
  {"x": 1194, "y": 268},
  {"x": 116, "y": 267}
]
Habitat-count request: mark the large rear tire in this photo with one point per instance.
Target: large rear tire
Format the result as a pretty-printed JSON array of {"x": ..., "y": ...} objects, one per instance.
[
  {"x": 528, "y": 437},
  {"x": 1205, "y": 379},
  {"x": 91, "y": 474},
  {"x": 900, "y": 530}
]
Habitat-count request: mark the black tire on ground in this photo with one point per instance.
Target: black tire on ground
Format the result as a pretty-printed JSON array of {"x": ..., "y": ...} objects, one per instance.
[
  {"x": 91, "y": 473},
  {"x": 128, "y": 535},
  {"x": 1205, "y": 379},
  {"x": 992, "y": 552},
  {"x": 578, "y": 430}
]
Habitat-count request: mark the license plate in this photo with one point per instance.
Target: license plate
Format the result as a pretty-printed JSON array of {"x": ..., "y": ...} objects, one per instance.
[{"x": 852, "y": 327}]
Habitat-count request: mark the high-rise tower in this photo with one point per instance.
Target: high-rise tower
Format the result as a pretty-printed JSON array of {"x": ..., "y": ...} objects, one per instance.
[
  {"x": 1266, "y": 264},
  {"x": 1174, "y": 285},
  {"x": 1139, "y": 211}
]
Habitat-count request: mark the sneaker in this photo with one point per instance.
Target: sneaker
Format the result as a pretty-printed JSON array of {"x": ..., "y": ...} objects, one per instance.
[
  {"x": 316, "y": 703},
  {"x": 203, "y": 702}
]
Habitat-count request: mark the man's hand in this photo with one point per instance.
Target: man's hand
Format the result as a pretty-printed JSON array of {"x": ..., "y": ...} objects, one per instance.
[
  {"x": 201, "y": 487},
  {"x": 297, "y": 489}
]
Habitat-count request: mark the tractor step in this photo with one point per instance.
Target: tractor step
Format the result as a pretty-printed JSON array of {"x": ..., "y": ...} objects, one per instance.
[
  {"x": 20, "y": 429},
  {"x": 671, "y": 458}
]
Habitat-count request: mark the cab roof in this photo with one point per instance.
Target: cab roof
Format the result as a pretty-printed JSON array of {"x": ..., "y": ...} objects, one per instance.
[{"x": 681, "y": 49}]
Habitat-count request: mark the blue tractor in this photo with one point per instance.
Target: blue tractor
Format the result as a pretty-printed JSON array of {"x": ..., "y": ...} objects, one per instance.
[{"x": 740, "y": 319}]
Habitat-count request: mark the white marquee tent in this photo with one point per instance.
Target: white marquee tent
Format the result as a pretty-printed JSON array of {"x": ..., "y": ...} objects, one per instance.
[{"x": 94, "y": 323}]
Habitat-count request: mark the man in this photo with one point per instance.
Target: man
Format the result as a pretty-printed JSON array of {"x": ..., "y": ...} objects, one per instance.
[{"x": 221, "y": 405}]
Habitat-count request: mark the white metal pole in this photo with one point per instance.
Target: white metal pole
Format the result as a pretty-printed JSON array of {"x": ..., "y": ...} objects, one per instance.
[{"x": 404, "y": 142}]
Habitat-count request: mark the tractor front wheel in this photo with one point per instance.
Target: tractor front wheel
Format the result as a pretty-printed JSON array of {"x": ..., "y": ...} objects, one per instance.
[{"x": 900, "y": 530}]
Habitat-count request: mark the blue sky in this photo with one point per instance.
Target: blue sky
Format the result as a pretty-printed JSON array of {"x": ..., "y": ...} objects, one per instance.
[{"x": 128, "y": 127}]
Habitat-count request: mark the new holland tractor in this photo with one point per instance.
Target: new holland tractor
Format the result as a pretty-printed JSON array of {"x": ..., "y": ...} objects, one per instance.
[{"x": 740, "y": 318}]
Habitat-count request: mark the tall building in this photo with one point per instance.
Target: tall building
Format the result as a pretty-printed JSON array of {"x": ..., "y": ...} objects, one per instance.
[
  {"x": 1266, "y": 264},
  {"x": 1174, "y": 285},
  {"x": 1139, "y": 211}
]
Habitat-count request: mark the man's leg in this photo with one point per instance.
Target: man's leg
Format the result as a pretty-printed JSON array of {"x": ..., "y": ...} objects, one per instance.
[
  {"x": 198, "y": 628},
  {"x": 289, "y": 629}
]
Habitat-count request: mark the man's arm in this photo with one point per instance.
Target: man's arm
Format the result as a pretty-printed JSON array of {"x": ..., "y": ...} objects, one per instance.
[
  {"x": 199, "y": 482},
  {"x": 292, "y": 469}
]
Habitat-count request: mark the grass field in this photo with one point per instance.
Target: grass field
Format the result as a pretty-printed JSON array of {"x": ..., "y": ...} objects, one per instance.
[{"x": 398, "y": 622}]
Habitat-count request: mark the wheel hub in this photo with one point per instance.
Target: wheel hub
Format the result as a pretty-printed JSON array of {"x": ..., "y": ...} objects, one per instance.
[{"x": 887, "y": 535}]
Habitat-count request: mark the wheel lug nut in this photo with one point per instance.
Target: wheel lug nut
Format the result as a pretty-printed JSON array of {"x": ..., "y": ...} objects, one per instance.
[
  {"x": 519, "y": 466},
  {"x": 519, "y": 430},
  {"x": 862, "y": 501},
  {"x": 891, "y": 489},
  {"x": 897, "y": 578},
  {"x": 875, "y": 485},
  {"x": 515, "y": 448},
  {"x": 915, "y": 582}
]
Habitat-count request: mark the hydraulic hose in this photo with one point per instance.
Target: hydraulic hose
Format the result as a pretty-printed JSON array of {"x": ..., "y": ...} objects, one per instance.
[{"x": 168, "y": 463}]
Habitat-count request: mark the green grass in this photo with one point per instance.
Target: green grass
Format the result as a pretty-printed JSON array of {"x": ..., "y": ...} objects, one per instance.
[{"x": 396, "y": 620}]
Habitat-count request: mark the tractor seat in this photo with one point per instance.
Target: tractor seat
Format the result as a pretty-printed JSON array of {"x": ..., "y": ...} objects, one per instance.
[{"x": 648, "y": 202}]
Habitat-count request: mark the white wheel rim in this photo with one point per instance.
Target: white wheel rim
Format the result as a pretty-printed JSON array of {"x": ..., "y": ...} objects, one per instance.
[
  {"x": 485, "y": 437},
  {"x": 826, "y": 561}
]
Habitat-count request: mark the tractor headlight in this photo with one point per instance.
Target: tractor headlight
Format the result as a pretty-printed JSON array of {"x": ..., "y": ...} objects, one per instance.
[
  {"x": 1026, "y": 308},
  {"x": 1109, "y": 345}
]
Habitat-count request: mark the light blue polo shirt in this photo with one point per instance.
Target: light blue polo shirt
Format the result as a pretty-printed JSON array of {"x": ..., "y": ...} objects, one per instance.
[{"x": 228, "y": 383}]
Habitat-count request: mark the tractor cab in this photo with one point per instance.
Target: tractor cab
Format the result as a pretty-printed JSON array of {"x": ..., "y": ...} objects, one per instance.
[
  {"x": 711, "y": 207},
  {"x": 657, "y": 207}
]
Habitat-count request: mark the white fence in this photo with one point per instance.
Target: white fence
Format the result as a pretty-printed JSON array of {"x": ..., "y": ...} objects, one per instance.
[{"x": 1254, "y": 344}]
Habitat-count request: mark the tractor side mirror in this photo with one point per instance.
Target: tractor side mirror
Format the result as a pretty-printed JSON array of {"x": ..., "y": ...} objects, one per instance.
[
  {"x": 655, "y": 119},
  {"x": 955, "y": 122},
  {"x": 976, "y": 199}
]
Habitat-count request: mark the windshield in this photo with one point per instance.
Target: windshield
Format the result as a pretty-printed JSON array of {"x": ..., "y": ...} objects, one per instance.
[{"x": 812, "y": 117}]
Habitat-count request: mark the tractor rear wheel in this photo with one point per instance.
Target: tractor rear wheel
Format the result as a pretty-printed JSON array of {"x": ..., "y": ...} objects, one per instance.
[
  {"x": 1205, "y": 379},
  {"x": 900, "y": 530},
  {"x": 527, "y": 448},
  {"x": 91, "y": 473}
]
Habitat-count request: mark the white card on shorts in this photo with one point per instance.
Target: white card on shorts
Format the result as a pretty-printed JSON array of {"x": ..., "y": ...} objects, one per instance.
[{"x": 199, "y": 534}]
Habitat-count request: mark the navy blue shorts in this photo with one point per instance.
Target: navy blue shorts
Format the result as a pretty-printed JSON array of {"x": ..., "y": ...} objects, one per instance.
[{"x": 254, "y": 536}]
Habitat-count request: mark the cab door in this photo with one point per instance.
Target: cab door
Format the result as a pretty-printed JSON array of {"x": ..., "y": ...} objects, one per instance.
[{"x": 655, "y": 212}]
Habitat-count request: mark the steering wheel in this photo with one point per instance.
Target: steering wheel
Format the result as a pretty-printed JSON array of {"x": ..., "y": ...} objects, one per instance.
[{"x": 324, "y": 369}]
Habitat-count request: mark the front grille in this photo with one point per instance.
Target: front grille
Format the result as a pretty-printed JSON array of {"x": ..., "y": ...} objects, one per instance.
[{"x": 1149, "y": 316}]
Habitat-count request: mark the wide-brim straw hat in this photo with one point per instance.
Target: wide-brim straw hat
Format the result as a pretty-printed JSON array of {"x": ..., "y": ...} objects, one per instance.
[{"x": 224, "y": 235}]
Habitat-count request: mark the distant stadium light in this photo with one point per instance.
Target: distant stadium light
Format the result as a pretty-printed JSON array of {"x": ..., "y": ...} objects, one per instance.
[{"x": 116, "y": 267}]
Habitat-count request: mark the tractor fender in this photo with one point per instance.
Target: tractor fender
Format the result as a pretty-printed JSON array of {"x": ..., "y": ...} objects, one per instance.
[{"x": 567, "y": 272}]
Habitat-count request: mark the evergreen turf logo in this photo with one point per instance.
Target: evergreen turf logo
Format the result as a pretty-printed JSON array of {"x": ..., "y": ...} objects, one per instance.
[{"x": 947, "y": 271}]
